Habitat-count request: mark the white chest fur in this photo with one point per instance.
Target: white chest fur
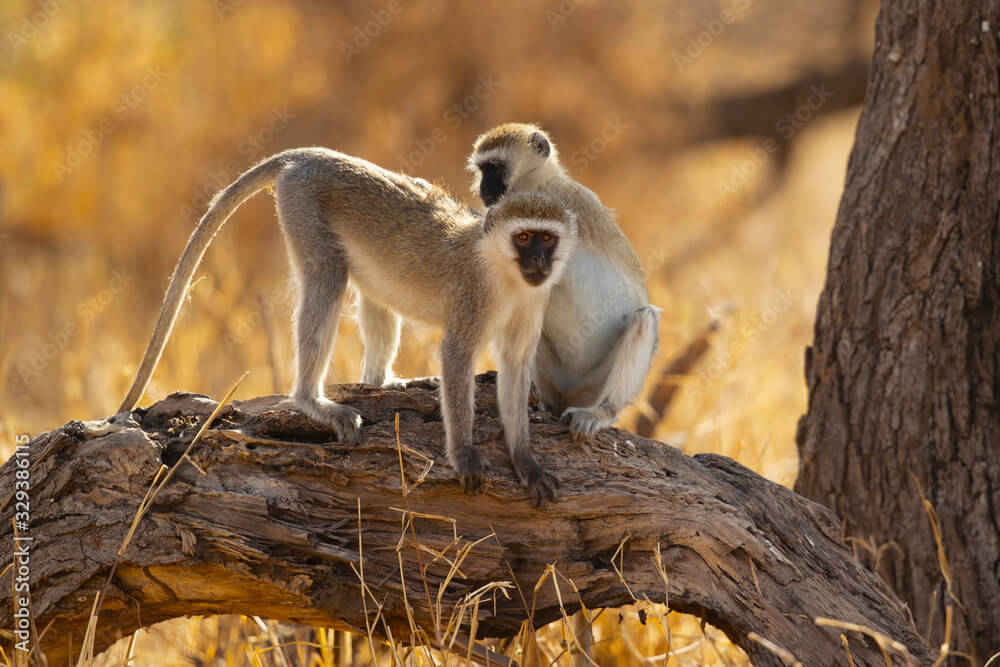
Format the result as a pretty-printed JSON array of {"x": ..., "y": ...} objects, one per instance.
[{"x": 587, "y": 311}]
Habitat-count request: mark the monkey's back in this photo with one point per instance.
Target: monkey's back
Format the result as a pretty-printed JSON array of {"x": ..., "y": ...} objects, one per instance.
[{"x": 409, "y": 244}]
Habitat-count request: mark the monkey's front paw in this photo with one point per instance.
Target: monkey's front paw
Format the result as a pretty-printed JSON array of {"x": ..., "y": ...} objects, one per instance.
[
  {"x": 345, "y": 420},
  {"x": 471, "y": 467},
  {"x": 542, "y": 485},
  {"x": 429, "y": 382},
  {"x": 583, "y": 423}
]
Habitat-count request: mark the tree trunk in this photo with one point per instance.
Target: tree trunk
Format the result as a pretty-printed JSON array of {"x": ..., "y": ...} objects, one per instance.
[
  {"x": 903, "y": 374},
  {"x": 267, "y": 516}
]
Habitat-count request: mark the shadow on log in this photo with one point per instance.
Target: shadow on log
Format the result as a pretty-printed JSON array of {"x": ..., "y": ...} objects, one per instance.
[{"x": 264, "y": 521}]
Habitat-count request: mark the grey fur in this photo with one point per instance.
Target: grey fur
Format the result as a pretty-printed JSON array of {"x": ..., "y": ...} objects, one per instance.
[{"x": 410, "y": 250}]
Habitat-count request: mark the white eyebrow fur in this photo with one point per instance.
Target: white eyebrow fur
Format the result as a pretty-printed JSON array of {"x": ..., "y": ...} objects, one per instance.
[{"x": 566, "y": 231}]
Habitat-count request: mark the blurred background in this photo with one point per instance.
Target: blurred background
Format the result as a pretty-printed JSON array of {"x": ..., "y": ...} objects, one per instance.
[{"x": 718, "y": 129}]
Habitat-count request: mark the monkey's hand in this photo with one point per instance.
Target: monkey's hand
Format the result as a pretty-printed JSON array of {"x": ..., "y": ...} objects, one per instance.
[
  {"x": 583, "y": 423},
  {"x": 541, "y": 485},
  {"x": 471, "y": 467}
]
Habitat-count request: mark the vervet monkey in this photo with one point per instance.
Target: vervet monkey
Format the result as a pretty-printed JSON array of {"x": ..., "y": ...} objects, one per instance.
[
  {"x": 600, "y": 333},
  {"x": 410, "y": 250}
]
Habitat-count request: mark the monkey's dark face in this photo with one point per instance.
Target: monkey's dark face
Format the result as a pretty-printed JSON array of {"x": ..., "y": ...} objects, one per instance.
[
  {"x": 493, "y": 182},
  {"x": 534, "y": 254}
]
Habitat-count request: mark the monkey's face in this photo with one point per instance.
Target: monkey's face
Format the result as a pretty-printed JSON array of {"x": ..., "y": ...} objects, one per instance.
[
  {"x": 493, "y": 181},
  {"x": 535, "y": 250},
  {"x": 511, "y": 158}
]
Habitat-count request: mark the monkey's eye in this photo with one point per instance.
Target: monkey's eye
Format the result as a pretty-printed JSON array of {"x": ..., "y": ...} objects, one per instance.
[
  {"x": 547, "y": 239},
  {"x": 523, "y": 238}
]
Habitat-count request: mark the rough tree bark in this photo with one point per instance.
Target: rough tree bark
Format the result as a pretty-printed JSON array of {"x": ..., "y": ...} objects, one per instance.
[
  {"x": 904, "y": 373},
  {"x": 265, "y": 521}
]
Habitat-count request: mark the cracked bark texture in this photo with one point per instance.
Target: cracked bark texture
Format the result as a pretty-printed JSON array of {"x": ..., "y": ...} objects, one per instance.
[
  {"x": 903, "y": 371},
  {"x": 265, "y": 522}
]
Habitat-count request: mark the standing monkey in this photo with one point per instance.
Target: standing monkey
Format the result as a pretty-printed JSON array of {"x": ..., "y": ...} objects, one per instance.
[
  {"x": 410, "y": 250},
  {"x": 600, "y": 333}
]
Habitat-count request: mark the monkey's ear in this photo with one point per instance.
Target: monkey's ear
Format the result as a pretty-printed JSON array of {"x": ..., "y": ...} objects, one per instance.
[{"x": 539, "y": 144}]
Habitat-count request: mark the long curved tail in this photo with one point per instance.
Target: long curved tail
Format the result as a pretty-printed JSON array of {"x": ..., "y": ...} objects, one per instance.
[{"x": 222, "y": 206}]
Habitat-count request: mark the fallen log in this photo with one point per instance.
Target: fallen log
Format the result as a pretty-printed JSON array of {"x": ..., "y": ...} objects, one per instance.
[{"x": 268, "y": 517}]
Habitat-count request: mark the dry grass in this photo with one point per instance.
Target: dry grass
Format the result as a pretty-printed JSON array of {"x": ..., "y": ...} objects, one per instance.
[{"x": 194, "y": 92}]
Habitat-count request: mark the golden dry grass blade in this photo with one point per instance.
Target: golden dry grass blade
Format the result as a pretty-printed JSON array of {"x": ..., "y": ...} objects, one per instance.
[
  {"x": 620, "y": 553},
  {"x": 87, "y": 648},
  {"x": 663, "y": 621},
  {"x": 568, "y": 626},
  {"x": 268, "y": 629},
  {"x": 847, "y": 650},
  {"x": 360, "y": 572},
  {"x": 473, "y": 626},
  {"x": 434, "y": 609},
  {"x": 156, "y": 488},
  {"x": 432, "y": 517},
  {"x": 932, "y": 516},
  {"x": 884, "y": 642},
  {"x": 343, "y": 648},
  {"x": 438, "y": 555},
  {"x": 782, "y": 653},
  {"x": 942, "y": 557},
  {"x": 141, "y": 511},
  {"x": 406, "y": 600},
  {"x": 159, "y": 481}
]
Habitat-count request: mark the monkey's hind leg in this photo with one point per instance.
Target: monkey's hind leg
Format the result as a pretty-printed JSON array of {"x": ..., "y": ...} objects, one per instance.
[
  {"x": 630, "y": 360},
  {"x": 380, "y": 333},
  {"x": 320, "y": 268}
]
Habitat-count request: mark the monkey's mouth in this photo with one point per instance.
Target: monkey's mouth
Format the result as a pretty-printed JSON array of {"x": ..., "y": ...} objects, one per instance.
[{"x": 535, "y": 278}]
